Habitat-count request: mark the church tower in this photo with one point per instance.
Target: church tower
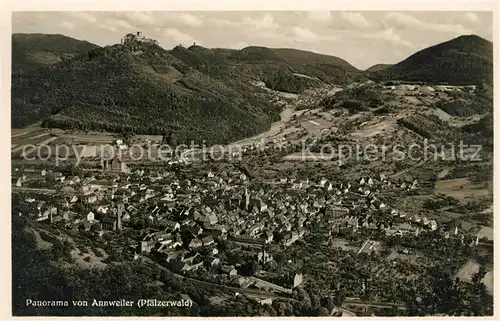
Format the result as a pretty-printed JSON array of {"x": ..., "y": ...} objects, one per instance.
[
  {"x": 247, "y": 199},
  {"x": 119, "y": 217}
]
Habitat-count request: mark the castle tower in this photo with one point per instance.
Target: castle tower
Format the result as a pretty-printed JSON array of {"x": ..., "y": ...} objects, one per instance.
[
  {"x": 263, "y": 256},
  {"x": 247, "y": 199}
]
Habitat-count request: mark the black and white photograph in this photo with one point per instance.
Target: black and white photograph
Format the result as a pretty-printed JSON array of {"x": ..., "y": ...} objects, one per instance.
[{"x": 251, "y": 163}]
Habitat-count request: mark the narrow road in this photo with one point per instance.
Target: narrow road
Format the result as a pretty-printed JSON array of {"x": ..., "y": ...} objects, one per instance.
[{"x": 363, "y": 247}]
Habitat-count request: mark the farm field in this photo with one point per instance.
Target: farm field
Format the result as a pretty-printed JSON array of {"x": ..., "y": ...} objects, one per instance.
[
  {"x": 444, "y": 116},
  {"x": 29, "y": 137},
  {"x": 343, "y": 244},
  {"x": 462, "y": 189},
  {"x": 309, "y": 156},
  {"x": 316, "y": 126},
  {"x": 470, "y": 268},
  {"x": 467, "y": 271},
  {"x": 154, "y": 139},
  {"x": 488, "y": 281},
  {"x": 374, "y": 129},
  {"x": 67, "y": 143},
  {"x": 486, "y": 232},
  {"x": 88, "y": 138},
  {"x": 19, "y": 132}
]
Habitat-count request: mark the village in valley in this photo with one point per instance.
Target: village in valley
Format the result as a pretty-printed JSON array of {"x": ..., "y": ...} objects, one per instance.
[{"x": 264, "y": 224}]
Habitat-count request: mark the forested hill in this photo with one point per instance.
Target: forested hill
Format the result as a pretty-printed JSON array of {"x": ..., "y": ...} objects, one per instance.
[
  {"x": 185, "y": 93},
  {"x": 463, "y": 60},
  {"x": 293, "y": 70},
  {"x": 198, "y": 93},
  {"x": 140, "y": 89},
  {"x": 35, "y": 50}
]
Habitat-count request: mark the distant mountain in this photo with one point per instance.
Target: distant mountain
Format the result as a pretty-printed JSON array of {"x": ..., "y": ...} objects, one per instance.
[
  {"x": 293, "y": 70},
  {"x": 282, "y": 69},
  {"x": 35, "y": 50},
  {"x": 293, "y": 56},
  {"x": 463, "y": 60},
  {"x": 378, "y": 67},
  {"x": 187, "y": 94}
]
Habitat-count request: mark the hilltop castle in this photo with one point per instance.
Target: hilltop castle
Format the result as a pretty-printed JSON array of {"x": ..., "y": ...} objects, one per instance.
[{"x": 138, "y": 37}]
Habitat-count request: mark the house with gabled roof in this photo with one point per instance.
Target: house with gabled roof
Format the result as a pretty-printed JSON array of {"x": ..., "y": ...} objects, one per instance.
[
  {"x": 229, "y": 270},
  {"x": 242, "y": 282},
  {"x": 208, "y": 240},
  {"x": 195, "y": 243},
  {"x": 175, "y": 255},
  {"x": 191, "y": 258},
  {"x": 210, "y": 218},
  {"x": 268, "y": 236}
]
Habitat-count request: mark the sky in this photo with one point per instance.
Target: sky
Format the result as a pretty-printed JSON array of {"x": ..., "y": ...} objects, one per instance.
[{"x": 362, "y": 38}]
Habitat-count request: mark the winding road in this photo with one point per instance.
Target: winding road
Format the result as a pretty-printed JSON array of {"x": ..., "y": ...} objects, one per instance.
[{"x": 275, "y": 129}]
